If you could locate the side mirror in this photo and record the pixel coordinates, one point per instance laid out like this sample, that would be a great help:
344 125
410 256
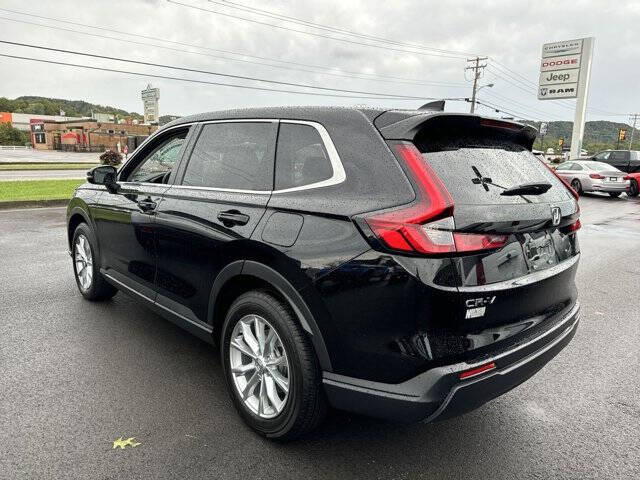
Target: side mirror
104 175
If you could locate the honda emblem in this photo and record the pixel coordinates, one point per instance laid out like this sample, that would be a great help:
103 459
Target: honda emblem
556 215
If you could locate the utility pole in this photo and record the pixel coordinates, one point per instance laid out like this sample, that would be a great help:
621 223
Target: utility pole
634 117
477 69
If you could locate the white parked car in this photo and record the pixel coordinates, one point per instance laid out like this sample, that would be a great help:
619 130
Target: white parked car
590 176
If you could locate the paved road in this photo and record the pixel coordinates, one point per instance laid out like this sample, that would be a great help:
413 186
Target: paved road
47 156
12 175
75 376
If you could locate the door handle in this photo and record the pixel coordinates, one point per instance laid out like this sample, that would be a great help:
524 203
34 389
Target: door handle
147 205
233 217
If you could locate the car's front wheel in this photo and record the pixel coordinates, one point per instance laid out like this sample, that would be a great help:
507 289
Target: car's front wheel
270 367
86 266
633 191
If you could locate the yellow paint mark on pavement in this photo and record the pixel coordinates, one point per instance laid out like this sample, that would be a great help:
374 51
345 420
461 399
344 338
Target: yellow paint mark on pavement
131 441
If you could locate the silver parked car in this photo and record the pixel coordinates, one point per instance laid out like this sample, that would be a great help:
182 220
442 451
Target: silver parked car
591 176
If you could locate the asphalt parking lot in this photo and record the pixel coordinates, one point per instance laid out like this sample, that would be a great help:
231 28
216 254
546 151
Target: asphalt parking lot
75 376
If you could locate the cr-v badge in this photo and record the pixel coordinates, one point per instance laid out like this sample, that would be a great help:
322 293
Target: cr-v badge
477 306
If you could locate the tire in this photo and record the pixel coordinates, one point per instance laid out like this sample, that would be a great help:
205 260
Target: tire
576 185
303 406
615 194
97 288
633 191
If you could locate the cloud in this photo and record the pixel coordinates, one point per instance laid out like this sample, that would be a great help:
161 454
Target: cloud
510 32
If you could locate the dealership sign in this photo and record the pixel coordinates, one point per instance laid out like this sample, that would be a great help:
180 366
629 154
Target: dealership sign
565 69
560 68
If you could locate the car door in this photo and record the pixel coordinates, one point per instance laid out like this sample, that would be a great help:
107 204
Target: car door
564 170
634 162
206 218
125 219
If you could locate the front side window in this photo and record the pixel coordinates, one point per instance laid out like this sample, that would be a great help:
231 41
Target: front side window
234 155
564 166
576 166
302 158
160 160
602 156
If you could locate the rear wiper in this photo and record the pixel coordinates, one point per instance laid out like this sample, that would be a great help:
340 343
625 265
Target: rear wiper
527 189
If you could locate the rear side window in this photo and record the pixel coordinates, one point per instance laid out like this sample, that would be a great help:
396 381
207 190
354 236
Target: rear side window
302 158
235 155
477 175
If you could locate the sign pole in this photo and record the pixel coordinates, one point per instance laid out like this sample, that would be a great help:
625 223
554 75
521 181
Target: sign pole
581 100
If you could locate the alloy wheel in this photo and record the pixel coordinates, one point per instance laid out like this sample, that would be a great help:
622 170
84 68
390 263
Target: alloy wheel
576 186
83 261
260 366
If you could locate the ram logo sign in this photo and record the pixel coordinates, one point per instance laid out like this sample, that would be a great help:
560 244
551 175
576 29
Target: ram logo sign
558 91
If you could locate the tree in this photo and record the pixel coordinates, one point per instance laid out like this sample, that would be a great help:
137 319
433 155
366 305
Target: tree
111 157
12 136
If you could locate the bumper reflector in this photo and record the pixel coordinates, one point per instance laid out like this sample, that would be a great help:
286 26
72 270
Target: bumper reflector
478 370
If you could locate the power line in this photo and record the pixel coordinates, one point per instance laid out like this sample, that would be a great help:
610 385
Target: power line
299 21
205 82
325 69
501 109
315 34
502 98
207 72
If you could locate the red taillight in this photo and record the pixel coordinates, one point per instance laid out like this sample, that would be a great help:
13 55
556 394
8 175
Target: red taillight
426 227
627 177
574 227
471 242
597 176
478 370
490 122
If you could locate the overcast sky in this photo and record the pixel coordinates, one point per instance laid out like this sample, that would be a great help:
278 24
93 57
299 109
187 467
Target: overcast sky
509 32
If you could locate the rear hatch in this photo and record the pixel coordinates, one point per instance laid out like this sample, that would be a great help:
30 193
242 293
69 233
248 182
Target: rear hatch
504 219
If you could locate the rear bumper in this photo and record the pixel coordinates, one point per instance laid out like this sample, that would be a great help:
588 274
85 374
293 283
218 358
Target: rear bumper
439 393
621 187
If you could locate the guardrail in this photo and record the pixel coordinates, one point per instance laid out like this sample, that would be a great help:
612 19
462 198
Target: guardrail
15 147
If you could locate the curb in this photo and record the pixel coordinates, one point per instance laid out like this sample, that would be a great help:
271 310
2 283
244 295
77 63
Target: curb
34 203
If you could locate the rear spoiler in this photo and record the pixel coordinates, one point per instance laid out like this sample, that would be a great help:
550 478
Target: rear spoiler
399 125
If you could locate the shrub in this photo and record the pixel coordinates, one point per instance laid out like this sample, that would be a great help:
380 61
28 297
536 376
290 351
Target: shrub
111 157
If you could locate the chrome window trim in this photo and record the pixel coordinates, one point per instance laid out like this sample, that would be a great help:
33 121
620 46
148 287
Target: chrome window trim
217 189
242 120
339 174
150 138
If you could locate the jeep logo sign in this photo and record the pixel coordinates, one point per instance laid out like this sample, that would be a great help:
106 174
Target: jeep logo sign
559 77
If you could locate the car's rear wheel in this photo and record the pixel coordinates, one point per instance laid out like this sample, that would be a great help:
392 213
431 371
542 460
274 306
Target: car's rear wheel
86 266
270 367
634 191
576 185
615 194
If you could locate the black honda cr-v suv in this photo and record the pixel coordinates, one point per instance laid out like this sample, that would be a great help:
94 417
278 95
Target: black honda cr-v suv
402 264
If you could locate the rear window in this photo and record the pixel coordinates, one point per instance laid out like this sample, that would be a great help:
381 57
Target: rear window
235 155
302 158
477 175
599 166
